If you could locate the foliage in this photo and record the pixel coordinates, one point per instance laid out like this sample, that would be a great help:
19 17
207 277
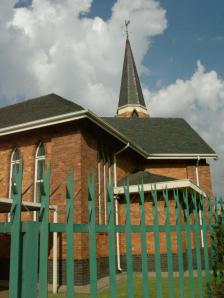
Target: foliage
216 287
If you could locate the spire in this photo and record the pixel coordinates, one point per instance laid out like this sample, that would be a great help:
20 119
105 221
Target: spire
131 100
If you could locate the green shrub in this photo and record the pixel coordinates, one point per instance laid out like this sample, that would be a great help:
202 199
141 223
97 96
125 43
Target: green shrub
216 287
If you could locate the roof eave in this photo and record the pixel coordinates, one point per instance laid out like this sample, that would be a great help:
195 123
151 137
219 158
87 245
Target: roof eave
43 122
183 156
160 186
109 128
103 124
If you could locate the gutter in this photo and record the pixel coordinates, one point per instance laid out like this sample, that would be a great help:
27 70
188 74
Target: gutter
159 186
68 117
109 128
43 122
183 156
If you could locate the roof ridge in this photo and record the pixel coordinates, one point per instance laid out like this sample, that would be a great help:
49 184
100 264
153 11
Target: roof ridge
56 96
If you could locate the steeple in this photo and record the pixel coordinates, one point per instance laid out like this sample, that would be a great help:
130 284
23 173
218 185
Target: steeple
131 100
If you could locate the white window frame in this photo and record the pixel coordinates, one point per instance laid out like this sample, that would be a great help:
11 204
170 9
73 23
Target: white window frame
37 159
12 163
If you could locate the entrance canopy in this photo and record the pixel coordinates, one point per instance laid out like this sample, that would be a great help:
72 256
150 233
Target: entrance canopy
152 181
5 206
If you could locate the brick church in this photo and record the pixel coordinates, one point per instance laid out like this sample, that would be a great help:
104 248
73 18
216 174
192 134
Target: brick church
161 152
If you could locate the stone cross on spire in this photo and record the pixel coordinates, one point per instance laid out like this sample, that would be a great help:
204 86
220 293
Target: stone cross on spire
131 100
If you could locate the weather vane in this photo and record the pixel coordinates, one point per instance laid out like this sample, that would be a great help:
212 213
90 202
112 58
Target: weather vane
127 23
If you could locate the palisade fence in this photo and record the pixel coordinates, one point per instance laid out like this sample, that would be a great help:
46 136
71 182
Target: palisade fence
30 239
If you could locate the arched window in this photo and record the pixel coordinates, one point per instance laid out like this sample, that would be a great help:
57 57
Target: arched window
39 168
14 167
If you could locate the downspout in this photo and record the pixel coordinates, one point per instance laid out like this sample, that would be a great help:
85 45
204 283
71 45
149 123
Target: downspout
198 184
116 208
197 173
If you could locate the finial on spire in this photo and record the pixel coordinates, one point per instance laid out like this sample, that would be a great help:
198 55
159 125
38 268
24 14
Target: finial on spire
127 23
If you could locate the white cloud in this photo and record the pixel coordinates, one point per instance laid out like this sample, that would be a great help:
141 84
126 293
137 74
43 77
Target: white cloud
200 100
51 48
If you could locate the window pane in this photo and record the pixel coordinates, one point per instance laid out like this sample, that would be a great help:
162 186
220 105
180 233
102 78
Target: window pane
40 168
16 155
41 150
39 185
15 169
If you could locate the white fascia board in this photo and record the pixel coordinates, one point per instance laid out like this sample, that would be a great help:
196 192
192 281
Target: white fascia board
103 124
68 117
185 183
25 205
43 122
106 126
183 156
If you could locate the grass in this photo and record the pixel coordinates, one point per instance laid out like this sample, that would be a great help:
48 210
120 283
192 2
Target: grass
122 289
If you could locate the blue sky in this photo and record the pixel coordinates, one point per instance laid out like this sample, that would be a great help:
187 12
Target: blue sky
195 31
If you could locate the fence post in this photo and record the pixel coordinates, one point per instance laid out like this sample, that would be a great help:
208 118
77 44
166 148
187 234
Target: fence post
211 214
111 231
44 234
92 238
143 243
169 245
15 249
69 234
179 243
128 237
198 244
157 245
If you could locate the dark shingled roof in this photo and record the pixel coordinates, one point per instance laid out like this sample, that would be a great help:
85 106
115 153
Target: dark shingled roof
162 135
35 109
130 91
145 177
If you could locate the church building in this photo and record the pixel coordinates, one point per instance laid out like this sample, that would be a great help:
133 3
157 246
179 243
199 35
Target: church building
133 146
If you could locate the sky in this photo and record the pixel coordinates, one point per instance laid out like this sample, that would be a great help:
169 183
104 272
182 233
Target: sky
75 48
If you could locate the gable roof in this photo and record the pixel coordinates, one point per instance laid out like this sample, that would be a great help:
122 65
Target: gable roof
36 109
162 135
143 177
151 138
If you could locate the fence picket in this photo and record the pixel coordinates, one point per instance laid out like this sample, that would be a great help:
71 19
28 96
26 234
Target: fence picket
189 244
44 232
157 245
15 249
111 235
179 243
143 243
168 244
69 234
92 239
128 237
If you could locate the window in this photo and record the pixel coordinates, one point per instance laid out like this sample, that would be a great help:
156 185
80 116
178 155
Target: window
104 176
14 167
39 169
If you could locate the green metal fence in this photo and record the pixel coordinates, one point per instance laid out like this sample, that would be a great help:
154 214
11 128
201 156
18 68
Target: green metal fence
30 239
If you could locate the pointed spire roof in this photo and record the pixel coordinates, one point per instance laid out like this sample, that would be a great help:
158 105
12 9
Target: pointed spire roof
130 92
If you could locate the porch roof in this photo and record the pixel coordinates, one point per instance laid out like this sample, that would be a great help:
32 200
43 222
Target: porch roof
160 186
5 206
144 177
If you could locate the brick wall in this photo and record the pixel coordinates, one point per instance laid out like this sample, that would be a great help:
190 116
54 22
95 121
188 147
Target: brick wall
69 146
